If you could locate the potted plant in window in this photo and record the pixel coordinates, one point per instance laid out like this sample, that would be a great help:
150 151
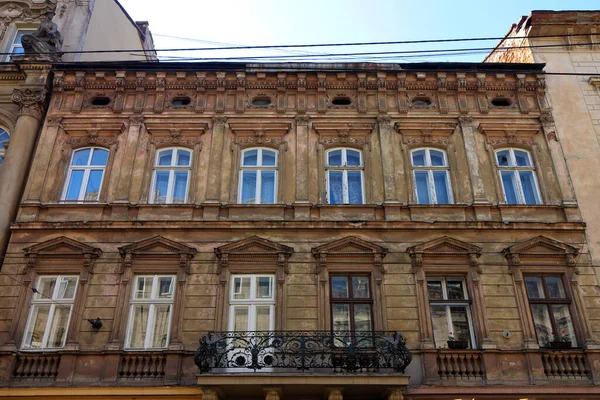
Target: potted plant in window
560 340
453 343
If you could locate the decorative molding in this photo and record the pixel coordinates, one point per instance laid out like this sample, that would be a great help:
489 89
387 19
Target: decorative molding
537 249
272 133
30 101
349 247
172 132
332 133
417 132
83 133
501 134
444 247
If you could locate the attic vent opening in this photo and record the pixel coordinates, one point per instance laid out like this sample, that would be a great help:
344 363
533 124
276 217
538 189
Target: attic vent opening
100 101
181 101
262 101
421 102
341 101
501 102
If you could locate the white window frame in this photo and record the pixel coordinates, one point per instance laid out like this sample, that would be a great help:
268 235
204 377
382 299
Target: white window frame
87 169
12 45
258 168
344 168
252 302
449 303
429 168
172 169
515 170
2 148
153 301
53 302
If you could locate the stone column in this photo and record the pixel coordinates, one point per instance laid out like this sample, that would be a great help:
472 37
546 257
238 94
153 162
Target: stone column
388 166
479 198
302 205
126 167
213 188
15 166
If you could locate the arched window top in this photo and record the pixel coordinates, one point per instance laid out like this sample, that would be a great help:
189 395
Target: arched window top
344 157
4 137
259 157
428 157
90 156
173 157
512 157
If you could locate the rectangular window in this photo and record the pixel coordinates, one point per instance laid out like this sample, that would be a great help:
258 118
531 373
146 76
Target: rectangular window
352 309
16 47
50 312
151 307
550 309
450 313
252 303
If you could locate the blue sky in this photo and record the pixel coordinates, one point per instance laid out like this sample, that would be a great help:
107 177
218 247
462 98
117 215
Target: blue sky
276 22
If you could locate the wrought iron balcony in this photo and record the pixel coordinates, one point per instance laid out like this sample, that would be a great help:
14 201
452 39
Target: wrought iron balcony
303 351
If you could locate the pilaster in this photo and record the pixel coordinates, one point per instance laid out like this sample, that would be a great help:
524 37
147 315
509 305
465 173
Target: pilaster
213 189
130 151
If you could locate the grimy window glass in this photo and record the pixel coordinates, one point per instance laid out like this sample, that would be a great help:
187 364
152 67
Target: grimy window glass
352 307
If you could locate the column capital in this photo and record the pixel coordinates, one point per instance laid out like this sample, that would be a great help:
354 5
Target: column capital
302 120
219 120
384 120
136 120
465 121
30 101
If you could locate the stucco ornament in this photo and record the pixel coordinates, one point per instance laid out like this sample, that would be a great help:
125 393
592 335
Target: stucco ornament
47 40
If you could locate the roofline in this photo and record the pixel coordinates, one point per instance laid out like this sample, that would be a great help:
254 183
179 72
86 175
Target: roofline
536 68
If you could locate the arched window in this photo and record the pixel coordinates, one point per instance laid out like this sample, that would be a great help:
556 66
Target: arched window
431 176
344 176
258 176
171 176
4 137
86 174
518 177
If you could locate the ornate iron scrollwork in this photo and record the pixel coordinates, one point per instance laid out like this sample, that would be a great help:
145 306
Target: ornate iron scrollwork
354 352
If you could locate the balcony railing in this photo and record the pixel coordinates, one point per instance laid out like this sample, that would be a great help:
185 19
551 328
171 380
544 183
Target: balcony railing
303 351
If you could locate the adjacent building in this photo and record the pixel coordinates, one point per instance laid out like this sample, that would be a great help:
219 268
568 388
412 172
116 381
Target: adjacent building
348 231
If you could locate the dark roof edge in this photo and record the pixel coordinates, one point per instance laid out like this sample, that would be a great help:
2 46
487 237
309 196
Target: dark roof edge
305 67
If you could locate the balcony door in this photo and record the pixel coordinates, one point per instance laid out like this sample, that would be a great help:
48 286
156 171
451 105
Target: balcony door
252 303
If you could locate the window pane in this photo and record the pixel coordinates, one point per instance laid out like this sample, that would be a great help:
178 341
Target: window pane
161 325
422 185
555 288
418 158
180 187
437 158
435 290
92 191
440 182
529 187
362 323
183 158
263 318
543 326
161 185
45 288
510 191
35 333
564 325
143 289
58 327
355 187
250 157
503 158
67 288
341 317
268 158
455 290
165 287
74 185
522 158
81 157
339 287
439 320
264 287
164 157
241 287
334 158
267 195
460 323
139 326
248 187
360 287
240 318
99 157
353 158
535 289
336 190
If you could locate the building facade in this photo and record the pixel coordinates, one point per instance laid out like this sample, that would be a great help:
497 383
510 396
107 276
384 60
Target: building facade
299 231
25 74
567 42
